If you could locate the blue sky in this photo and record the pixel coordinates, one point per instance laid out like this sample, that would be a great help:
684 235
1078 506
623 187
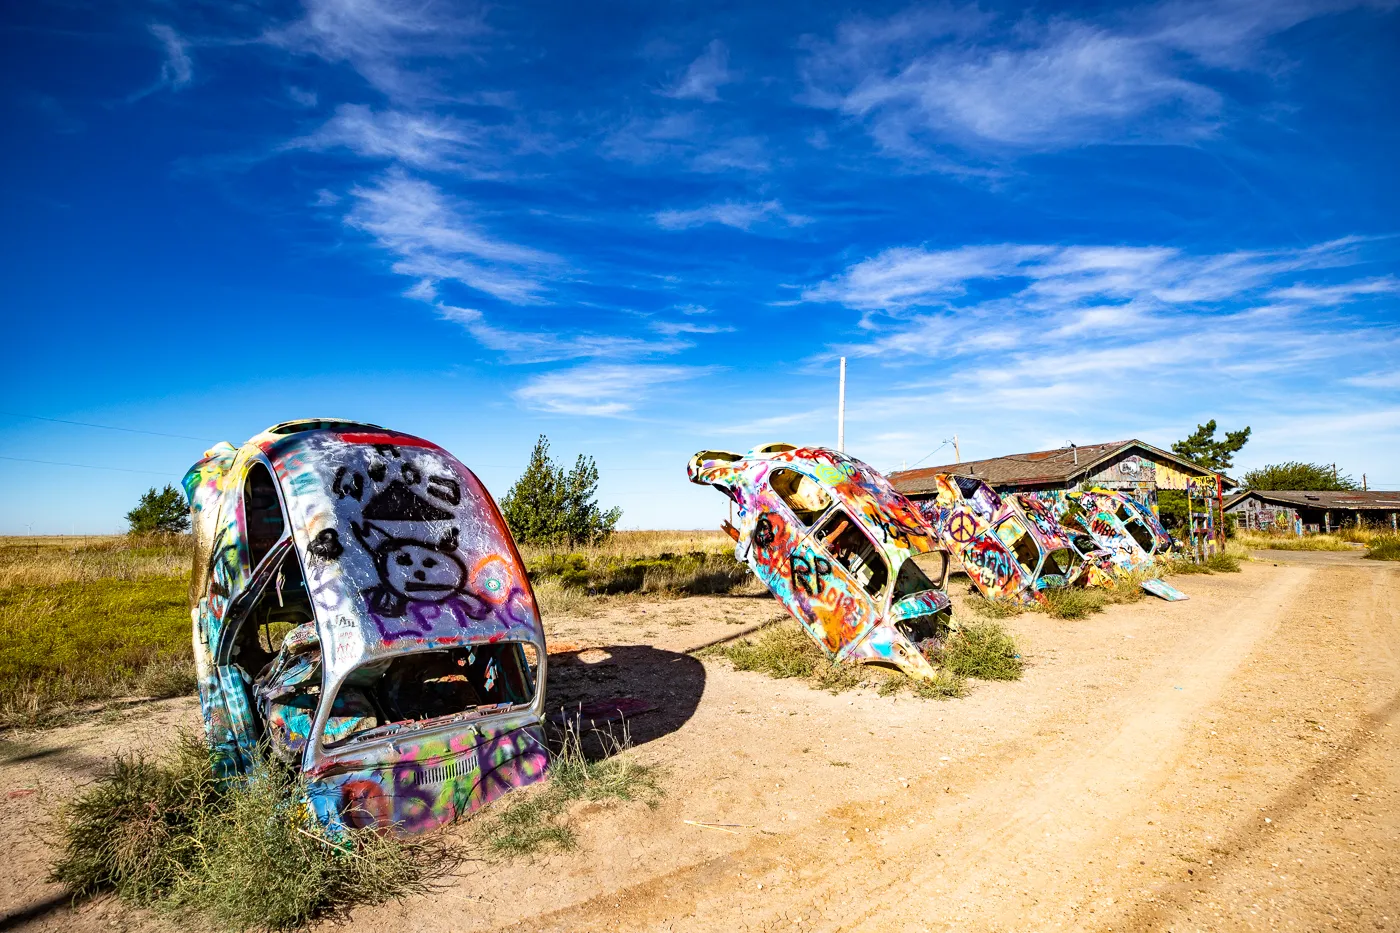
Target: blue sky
646 229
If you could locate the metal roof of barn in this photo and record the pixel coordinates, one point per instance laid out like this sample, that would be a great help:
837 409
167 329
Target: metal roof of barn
1061 466
1324 499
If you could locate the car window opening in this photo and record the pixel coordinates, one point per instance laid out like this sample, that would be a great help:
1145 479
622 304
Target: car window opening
920 573
1058 563
395 693
283 605
927 632
262 511
1141 535
801 493
852 548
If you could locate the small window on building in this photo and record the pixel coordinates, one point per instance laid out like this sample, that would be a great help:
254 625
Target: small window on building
850 547
262 513
801 493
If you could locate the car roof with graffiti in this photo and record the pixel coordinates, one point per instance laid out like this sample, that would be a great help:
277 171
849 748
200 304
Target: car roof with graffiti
401 547
864 491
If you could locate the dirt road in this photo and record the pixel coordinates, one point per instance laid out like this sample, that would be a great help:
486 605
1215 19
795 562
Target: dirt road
1231 762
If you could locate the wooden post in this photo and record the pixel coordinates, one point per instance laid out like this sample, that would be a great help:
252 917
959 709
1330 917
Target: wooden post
1327 521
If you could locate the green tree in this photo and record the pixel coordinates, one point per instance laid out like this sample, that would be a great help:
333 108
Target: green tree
1202 448
163 510
551 507
1295 475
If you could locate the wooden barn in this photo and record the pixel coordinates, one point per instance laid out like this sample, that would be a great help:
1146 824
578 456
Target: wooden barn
1301 511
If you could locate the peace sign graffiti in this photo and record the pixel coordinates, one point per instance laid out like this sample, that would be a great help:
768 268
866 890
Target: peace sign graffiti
961 527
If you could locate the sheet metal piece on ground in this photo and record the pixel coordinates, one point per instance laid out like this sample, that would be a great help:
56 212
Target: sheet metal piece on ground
849 557
598 712
1164 590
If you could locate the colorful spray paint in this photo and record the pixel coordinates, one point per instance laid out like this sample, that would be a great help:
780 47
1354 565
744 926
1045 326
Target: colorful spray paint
849 557
409 687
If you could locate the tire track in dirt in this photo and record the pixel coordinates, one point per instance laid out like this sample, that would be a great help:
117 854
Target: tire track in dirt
1067 797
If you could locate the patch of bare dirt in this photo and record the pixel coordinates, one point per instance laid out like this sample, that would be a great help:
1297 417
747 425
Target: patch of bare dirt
1230 762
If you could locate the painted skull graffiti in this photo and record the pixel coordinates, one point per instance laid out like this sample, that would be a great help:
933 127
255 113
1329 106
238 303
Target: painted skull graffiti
411 688
411 571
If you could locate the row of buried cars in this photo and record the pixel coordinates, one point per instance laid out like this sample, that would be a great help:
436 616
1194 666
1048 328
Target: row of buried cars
864 569
361 614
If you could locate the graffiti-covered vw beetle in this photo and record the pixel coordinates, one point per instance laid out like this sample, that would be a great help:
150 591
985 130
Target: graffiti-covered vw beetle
1007 552
848 556
1119 524
360 607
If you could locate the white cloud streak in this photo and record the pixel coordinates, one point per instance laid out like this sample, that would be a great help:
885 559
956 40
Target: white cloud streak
602 389
380 39
704 77
177 70
741 215
415 221
549 346
416 139
957 74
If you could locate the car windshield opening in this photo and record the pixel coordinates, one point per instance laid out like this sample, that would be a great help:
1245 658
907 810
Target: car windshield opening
921 572
852 548
399 692
1019 541
801 493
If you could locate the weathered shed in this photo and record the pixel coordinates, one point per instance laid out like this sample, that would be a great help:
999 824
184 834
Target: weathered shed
1300 510
1130 466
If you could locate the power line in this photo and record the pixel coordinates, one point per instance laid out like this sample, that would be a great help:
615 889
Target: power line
108 427
87 466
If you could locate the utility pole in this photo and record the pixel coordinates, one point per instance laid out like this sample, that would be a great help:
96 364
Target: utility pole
841 411
1363 483
957 451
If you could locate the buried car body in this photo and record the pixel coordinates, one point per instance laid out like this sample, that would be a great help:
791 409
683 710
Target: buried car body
360 607
1118 524
1009 549
848 556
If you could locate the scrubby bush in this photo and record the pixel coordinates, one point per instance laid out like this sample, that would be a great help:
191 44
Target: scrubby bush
983 650
243 852
1384 547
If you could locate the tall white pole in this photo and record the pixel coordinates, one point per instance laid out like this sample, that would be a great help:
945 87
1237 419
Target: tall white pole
841 411
957 451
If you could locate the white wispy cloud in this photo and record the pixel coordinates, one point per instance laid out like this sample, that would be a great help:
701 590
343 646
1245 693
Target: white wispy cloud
1057 276
956 73
741 215
704 77
602 389
415 221
689 327
520 346
381 39
177 70
687 139
1035 337
417 139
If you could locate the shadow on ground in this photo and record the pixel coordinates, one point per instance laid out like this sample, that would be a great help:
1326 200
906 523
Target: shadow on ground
669 681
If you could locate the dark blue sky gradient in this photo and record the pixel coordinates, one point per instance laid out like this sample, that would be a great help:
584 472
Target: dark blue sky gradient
659 224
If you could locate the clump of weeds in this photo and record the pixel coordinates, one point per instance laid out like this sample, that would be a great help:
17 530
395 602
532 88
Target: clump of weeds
240 853
538 817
